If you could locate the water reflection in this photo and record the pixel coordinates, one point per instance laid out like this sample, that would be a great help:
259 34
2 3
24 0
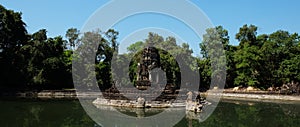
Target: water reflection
138 112
39 113
63 113
251 114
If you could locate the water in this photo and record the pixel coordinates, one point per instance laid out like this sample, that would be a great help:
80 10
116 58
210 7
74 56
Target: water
69 113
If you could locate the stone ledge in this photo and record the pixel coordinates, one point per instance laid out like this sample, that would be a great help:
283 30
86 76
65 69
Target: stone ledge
261 96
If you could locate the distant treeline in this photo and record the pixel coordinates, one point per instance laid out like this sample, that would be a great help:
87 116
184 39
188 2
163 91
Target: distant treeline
35 61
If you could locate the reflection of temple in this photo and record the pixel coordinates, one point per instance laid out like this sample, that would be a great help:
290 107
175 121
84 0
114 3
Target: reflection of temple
146 73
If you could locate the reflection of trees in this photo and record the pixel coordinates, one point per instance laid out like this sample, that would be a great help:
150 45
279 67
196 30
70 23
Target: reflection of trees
43 113
33 116
245 114
22 113
290 110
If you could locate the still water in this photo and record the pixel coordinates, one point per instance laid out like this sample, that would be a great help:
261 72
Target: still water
69 113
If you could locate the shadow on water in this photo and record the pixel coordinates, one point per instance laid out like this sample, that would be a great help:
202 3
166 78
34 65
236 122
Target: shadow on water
139 112
64 113
43 113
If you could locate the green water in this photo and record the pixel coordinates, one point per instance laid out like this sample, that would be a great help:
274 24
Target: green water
69 113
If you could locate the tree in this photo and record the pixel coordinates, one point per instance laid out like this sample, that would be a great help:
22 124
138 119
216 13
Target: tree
34 53
169 53
12 31
13 35
278 53
154 38
214 58
37 61
289 69
133 48
112 37
106 45
43 61
247 34
247 57
72 35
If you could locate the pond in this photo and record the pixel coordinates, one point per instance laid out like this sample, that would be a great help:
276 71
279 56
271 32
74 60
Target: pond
69 113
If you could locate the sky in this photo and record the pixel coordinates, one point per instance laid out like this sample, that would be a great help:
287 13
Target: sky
56 16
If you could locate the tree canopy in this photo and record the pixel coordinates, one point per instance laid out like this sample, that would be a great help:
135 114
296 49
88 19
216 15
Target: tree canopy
36 61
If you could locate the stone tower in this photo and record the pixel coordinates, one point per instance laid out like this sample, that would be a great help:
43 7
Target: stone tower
145 74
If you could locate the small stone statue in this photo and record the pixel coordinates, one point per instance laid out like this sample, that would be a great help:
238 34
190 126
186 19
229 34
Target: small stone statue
190 97
141 102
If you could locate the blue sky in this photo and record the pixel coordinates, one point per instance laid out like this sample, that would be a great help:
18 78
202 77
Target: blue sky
58 15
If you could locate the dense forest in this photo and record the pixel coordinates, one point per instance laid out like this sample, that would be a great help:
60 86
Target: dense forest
35 61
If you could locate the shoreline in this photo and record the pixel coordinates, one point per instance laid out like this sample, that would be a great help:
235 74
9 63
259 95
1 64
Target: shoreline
71 94
245 96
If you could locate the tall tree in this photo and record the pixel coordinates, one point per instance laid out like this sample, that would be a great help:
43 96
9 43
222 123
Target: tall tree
154 38
212 49
72 35
112 37
247 34
12 31
44 63
247 56
13 35
106 45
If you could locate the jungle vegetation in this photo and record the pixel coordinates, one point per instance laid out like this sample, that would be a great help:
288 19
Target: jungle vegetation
35 61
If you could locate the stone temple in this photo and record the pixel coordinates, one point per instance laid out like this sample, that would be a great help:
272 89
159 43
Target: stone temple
146 73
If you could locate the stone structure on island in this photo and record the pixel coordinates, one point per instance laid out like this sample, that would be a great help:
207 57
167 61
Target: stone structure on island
146 73
190 105
195 106
141 103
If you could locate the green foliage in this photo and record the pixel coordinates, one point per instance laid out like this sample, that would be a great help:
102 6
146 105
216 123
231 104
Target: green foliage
104 46
44 61
135 47
12 36
12 31
260 61
37 61
169 51
72 35
205 73
214 58
279 57
247 57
